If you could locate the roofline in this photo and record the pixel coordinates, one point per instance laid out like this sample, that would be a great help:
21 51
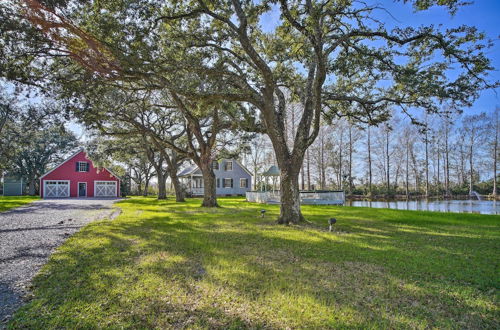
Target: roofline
193 169
244 168
73 156
67 159
231 159
107 169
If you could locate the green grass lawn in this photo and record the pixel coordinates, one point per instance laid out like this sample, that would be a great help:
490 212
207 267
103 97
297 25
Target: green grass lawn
167 265
10 202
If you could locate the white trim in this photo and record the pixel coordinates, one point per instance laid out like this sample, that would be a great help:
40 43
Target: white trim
78 189
55 168
44 187
224 184
244 168
232 165
193 169
71 157
80 167
116 187
246 181
113 174
107 169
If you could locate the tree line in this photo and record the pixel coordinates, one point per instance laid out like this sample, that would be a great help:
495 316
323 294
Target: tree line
33 137
190 78
442 156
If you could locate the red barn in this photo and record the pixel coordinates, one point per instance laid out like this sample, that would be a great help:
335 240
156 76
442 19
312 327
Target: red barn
77 177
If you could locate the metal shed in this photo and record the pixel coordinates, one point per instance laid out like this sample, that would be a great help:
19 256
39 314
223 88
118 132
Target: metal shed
13 185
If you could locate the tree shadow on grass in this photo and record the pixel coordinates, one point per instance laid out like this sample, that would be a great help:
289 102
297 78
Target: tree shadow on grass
173 271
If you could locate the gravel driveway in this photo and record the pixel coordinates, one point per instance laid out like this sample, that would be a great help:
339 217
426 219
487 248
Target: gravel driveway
29 235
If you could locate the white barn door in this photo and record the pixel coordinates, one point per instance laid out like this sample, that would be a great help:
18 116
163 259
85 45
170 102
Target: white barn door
56 189
105 189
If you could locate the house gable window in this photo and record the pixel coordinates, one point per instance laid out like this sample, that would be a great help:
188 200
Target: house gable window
228 166
82 166
215 165
243 183
228 183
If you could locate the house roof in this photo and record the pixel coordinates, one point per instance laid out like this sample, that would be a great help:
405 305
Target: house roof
190 170
244 168
68 159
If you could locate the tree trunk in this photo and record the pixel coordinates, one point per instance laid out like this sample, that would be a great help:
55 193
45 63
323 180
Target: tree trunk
302 177
290 197
341 178
370 176
387 161
179 192
322 165
407 183
471 176
146 186
446 162
438 183
31 188
462 165
162 185
426 163
495 151
308 171
350 159
209 189
495 155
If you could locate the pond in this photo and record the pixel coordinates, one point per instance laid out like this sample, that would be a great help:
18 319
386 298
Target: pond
456 206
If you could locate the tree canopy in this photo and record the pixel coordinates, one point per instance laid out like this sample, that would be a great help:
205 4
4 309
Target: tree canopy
334 58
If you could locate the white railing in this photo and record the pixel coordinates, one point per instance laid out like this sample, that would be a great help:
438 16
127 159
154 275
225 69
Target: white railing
263 196
327 198
196 191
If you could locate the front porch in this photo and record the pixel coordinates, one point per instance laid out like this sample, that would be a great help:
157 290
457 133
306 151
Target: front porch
193 185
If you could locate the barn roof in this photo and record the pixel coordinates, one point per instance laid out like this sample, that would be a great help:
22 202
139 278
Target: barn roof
71 157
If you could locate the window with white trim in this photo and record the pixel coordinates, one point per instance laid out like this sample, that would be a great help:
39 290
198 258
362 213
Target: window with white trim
228 166
228 183
83 166
243 183
215 165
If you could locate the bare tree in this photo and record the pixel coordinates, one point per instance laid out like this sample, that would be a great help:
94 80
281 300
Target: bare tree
474 127
495 120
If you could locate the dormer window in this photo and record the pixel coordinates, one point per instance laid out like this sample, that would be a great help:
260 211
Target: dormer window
82 166
228 166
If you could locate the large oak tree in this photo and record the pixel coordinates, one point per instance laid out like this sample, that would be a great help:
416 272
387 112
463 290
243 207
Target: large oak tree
332 56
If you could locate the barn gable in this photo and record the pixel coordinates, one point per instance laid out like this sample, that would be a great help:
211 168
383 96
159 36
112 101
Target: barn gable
78 177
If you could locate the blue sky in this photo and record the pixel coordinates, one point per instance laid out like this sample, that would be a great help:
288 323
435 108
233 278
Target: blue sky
483 14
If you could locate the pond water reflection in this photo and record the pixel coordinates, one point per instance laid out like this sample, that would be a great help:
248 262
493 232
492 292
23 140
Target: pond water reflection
457 206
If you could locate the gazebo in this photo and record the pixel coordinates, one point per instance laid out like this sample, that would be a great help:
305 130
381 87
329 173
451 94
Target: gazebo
272 172
306 197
